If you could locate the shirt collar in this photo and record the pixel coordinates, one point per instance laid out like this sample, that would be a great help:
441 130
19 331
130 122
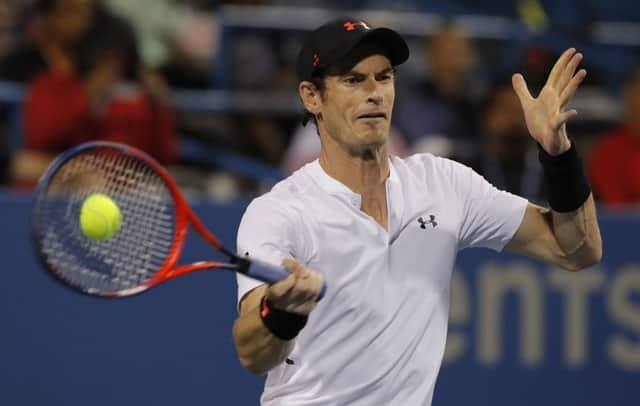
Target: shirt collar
326 182
336 188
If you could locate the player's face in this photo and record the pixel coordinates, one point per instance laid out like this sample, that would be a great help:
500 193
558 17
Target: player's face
356 108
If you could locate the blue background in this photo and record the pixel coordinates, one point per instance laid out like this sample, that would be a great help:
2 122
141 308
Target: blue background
173 344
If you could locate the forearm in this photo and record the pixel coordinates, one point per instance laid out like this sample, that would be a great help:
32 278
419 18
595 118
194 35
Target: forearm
258 349
567 234
578 235
271 316
573 213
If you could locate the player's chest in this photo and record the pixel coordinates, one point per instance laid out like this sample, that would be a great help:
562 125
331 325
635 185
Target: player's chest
421 243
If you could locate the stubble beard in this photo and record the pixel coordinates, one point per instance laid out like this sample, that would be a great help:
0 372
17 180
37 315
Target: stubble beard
366 152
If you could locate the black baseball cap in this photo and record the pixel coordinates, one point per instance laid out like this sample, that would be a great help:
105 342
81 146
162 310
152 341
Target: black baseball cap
331 42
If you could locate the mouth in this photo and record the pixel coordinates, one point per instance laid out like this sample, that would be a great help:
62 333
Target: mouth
373 115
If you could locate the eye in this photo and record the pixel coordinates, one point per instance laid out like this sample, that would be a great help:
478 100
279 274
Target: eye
351 80
385 77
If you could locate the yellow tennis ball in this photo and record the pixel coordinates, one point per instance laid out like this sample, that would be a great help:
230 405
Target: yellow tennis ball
100 217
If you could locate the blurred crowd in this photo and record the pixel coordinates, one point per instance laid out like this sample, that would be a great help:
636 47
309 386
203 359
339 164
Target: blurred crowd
107 69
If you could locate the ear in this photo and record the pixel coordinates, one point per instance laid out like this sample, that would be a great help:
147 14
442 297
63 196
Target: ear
310 96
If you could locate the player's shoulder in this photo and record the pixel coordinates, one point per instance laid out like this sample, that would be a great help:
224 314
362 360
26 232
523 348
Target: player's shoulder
427 165
285 196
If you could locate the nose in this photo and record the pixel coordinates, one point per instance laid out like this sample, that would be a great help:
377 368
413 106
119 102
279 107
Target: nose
373 90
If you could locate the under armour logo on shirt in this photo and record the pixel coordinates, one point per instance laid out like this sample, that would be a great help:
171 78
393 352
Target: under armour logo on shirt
432 221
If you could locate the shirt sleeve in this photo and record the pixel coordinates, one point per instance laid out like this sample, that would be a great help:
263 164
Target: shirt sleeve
491 216
265 233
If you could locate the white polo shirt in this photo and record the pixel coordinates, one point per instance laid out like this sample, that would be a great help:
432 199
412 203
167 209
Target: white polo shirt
378 336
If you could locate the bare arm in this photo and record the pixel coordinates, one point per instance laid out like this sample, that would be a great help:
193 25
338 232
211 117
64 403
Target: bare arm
570 240
258 348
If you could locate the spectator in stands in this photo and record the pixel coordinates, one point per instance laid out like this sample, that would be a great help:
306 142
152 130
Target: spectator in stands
86 83
45 40
176 38
507 156
438 114
9 11
614 167
51 31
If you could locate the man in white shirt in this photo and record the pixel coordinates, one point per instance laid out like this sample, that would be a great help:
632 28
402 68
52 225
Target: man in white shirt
383 232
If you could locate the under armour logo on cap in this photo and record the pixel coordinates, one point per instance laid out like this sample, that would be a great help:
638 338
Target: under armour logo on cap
316 59
350 26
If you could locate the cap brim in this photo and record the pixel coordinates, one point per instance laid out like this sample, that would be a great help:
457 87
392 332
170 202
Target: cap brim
395 46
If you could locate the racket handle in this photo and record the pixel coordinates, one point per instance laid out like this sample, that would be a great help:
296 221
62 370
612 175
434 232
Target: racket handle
272 274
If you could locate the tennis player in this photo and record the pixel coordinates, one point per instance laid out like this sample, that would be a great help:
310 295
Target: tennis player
383 232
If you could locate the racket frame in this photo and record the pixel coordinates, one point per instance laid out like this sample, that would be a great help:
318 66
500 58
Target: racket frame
184 216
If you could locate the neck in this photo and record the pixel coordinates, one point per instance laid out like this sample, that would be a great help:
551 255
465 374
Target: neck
363 171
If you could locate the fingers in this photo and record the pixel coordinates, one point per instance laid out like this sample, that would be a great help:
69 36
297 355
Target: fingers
521 89
563 117
570 89
282 288
569 70
563 79
560 66
298 292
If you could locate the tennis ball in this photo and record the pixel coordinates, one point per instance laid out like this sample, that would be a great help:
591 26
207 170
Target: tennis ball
100 217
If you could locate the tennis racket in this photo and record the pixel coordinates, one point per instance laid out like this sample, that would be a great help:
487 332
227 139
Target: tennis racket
155 218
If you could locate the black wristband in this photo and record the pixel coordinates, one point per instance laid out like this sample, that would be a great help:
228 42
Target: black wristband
280 323
565 180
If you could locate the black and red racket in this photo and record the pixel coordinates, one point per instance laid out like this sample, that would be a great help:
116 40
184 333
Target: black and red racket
155 217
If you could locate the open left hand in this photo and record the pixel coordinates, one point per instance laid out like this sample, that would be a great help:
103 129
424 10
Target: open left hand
545 115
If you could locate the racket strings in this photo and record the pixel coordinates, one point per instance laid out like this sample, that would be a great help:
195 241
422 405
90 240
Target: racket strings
136 251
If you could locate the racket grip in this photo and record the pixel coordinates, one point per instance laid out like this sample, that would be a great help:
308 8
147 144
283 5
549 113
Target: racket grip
272 274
